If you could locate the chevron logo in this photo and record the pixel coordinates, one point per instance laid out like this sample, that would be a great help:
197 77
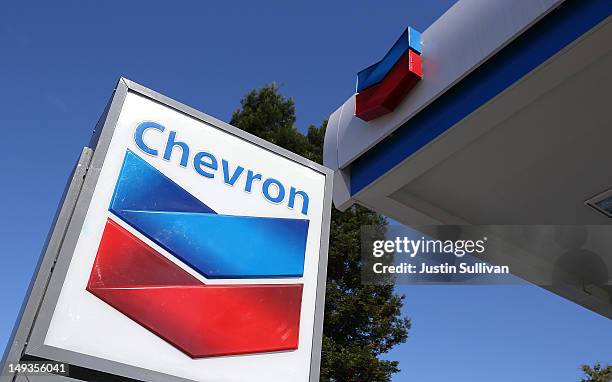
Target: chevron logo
200 318
382 87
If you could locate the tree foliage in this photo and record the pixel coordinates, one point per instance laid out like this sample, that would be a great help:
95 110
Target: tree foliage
597 373
362 322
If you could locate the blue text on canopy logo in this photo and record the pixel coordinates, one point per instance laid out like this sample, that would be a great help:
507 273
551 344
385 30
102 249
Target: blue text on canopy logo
207 165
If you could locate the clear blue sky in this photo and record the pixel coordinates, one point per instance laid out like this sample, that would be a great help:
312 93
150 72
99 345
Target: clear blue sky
60 60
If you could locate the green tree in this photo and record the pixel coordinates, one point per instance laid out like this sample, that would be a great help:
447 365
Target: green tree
597 373
362 322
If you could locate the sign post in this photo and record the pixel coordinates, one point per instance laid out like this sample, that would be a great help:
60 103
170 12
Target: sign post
185 250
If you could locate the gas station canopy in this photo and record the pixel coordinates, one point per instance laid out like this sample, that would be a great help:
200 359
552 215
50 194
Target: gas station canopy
511 124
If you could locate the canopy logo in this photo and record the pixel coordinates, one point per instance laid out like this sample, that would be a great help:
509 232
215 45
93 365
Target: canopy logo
382 86
200 319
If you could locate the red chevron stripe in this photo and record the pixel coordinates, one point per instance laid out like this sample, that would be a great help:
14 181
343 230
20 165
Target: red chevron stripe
385 96
200 320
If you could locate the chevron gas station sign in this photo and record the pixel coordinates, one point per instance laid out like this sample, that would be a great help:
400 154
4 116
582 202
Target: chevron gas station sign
196 252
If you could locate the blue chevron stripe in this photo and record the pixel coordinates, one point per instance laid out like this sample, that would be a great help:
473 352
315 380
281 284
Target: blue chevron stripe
142 187
373 74
216 246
